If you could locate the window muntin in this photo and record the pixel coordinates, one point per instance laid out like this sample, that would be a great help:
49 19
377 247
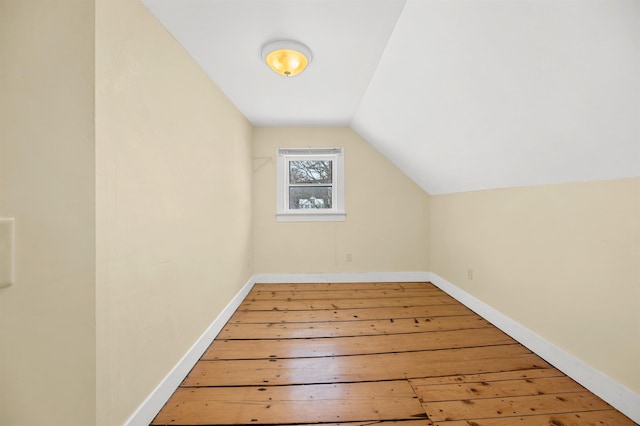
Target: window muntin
310 184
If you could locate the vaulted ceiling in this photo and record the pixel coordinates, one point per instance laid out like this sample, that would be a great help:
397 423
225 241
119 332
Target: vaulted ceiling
462 95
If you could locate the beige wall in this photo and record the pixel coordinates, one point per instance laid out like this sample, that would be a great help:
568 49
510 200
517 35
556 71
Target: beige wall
173 204
47 319
563 260
134 232
387 214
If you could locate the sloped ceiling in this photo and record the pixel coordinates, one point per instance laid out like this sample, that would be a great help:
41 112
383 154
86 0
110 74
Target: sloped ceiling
461 95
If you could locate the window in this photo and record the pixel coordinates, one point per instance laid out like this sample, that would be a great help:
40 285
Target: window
310 184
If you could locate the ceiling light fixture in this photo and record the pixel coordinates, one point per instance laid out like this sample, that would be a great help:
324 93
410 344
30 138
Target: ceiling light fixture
286 57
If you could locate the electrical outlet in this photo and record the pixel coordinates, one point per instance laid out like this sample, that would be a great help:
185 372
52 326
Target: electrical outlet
349 257
470 273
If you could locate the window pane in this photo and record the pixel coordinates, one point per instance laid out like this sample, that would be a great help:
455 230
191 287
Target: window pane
310 171
310 197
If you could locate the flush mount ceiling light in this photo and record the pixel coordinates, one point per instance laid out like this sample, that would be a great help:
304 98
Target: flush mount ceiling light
286 57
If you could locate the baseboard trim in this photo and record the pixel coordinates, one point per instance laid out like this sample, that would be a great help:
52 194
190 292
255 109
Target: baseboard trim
343 277
600 384
161 394
619 396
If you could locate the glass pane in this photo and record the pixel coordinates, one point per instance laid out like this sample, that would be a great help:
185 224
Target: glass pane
309 197
310 171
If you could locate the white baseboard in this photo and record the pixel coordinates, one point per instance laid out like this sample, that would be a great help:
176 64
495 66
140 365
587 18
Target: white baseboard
606 388
161 394
620 397
343 277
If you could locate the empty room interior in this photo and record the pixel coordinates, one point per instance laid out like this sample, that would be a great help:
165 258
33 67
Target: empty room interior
160 184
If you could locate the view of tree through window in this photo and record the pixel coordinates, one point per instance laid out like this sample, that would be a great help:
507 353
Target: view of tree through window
310 184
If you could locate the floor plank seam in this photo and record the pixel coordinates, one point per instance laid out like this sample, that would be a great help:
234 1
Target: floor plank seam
585 392
470 314
267 385
273 359
346 336
243 309
515 416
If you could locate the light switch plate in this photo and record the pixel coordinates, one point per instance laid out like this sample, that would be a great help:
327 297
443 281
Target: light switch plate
7 258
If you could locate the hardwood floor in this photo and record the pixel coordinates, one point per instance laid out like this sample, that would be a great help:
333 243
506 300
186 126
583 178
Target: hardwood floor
388 354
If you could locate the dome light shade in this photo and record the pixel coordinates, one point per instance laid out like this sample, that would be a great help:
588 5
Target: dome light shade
285 57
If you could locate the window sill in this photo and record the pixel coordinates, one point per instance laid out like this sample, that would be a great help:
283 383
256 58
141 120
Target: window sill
311 217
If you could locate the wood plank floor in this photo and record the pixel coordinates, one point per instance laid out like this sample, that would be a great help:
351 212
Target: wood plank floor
388 354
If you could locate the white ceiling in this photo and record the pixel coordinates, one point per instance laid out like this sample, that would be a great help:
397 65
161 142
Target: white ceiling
462 95
347 39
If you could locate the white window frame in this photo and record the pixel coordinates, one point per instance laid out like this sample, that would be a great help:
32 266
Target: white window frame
337 212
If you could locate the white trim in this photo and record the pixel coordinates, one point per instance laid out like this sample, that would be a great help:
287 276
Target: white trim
283 213
146 412
343 277
310 151
315 217
619 396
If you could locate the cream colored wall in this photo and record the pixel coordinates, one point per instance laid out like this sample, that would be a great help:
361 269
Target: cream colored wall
173 204
562 260
47 319
110 295
387 214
